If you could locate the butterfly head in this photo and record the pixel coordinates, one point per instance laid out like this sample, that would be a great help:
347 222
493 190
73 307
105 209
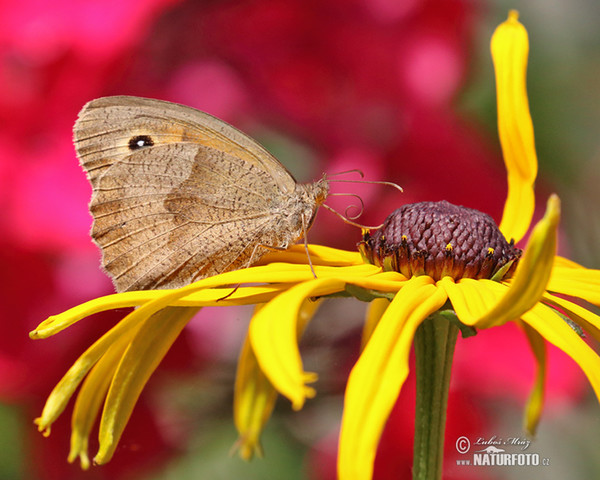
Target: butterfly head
320 190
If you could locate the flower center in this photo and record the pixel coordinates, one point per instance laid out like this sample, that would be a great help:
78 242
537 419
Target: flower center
440 239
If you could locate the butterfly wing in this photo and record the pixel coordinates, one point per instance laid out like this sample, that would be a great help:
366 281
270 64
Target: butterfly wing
177 194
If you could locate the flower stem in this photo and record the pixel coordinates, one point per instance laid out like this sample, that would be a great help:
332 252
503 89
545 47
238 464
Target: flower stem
434 349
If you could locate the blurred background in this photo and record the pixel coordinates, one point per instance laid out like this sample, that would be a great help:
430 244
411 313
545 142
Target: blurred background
403 91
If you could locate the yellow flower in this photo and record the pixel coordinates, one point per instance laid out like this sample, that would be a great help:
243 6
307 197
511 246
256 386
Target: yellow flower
405 282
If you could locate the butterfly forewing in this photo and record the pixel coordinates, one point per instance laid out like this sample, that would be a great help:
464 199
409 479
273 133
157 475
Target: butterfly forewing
178 194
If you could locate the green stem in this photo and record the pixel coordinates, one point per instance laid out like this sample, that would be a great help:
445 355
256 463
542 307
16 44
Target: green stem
434 349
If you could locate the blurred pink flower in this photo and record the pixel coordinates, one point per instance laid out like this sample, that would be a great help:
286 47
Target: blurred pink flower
39 32
208 85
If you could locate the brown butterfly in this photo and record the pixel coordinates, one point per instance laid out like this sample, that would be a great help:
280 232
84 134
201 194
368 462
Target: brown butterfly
179 195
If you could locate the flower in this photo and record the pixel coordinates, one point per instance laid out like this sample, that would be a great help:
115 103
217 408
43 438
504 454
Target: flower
491 284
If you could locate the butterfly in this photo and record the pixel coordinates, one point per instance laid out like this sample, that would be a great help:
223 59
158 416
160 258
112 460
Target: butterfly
179 195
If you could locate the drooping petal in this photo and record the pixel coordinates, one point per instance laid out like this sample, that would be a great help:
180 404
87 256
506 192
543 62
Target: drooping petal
91 398
377 377
535 403
141 358
533 271
254 396
273 330
253 402
374 313
510 47
273 335
62 392
549 324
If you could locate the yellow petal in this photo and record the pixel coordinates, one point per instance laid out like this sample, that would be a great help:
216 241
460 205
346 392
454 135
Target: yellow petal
374 313
576 282
57 323
273 335
319 255
470 298
535 403
143 355
254 396
91 398
562 262
556 331
510 47
254 399
383 282
377 377
533 271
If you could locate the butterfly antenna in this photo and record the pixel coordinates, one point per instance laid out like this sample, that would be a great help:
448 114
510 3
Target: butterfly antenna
375 182
345 172
348 220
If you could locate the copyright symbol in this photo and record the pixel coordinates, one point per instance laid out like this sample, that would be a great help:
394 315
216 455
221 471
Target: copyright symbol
462 445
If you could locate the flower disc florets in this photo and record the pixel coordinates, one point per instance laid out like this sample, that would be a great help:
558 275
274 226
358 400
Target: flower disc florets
440 239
